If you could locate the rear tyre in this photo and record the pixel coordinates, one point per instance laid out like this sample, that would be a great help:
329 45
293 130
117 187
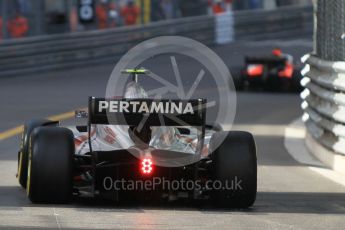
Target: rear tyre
239 79
235 166
296 81
24 148
50 168
286 85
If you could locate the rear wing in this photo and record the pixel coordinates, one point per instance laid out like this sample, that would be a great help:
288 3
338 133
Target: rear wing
133 112
148 112
266 60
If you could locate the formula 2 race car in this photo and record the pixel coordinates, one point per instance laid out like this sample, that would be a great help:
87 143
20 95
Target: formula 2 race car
275 72
117 156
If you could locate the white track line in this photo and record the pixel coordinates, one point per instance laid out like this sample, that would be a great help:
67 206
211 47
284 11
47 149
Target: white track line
56 215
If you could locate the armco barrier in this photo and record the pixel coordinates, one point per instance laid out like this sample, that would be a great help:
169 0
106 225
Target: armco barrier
70 50
285 22
324 102
30 55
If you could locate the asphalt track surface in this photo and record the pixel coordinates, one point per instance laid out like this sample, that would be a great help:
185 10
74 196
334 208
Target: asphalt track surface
290 196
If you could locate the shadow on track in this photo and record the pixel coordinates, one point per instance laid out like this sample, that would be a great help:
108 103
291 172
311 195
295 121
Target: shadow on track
14 198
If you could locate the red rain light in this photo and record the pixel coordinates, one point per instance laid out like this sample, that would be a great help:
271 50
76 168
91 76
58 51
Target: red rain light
146 166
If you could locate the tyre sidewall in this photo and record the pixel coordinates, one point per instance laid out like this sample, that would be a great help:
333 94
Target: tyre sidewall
234 162
50 165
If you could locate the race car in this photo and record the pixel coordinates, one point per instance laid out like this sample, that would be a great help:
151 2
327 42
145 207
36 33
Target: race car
275 72
174 144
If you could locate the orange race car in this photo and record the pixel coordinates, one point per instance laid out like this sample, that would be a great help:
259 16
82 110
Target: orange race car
275 72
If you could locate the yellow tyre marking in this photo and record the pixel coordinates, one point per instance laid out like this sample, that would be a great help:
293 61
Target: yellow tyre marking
28 180
20 165
20 156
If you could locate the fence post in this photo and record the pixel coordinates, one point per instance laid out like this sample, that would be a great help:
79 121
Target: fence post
39 17
224 27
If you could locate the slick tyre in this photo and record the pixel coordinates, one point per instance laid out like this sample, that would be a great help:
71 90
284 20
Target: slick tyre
239 79
24 148
50 166
234 165
296 82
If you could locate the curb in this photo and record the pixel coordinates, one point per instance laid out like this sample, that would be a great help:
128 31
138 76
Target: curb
294 143
332 160
305 150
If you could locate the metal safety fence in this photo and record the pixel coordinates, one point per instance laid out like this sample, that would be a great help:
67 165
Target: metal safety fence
282 23
50 52
330 29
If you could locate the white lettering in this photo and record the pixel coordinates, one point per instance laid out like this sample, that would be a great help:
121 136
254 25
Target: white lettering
113 107
143 108
135 104
103 105
124 106
157 107
167 107
175 108
189 109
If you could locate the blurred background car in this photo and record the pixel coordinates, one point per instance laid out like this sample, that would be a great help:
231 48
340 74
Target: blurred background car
274 72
